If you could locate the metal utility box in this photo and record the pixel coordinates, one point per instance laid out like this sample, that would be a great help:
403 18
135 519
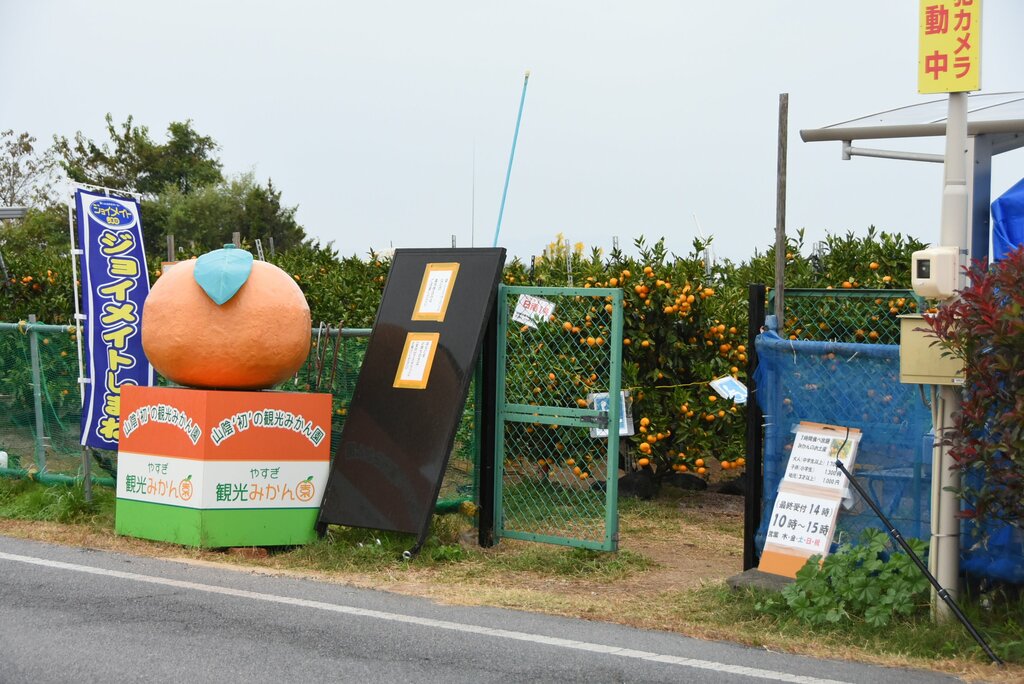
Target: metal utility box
921 359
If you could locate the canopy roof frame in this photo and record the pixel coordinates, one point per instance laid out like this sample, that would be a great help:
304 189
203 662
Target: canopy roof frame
995 125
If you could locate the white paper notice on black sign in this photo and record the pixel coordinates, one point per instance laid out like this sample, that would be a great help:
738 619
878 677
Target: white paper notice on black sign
532 310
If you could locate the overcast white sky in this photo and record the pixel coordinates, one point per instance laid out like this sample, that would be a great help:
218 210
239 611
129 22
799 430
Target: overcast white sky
639 115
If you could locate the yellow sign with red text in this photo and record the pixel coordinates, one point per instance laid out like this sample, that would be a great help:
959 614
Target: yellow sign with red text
949 46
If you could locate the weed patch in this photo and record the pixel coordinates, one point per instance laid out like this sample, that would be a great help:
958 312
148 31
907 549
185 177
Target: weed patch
23 499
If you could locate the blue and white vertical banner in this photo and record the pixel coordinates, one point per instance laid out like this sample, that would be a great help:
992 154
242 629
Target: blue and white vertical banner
115 283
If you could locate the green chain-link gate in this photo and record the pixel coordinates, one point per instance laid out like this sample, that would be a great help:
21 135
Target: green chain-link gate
556 474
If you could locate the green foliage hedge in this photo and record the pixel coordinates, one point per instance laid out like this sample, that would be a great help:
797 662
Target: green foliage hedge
685 318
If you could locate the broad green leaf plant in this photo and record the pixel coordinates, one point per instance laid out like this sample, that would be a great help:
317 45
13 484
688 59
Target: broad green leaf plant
866 582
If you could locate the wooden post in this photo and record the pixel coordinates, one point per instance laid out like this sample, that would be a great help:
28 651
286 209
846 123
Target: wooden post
780 211
236 238
170 248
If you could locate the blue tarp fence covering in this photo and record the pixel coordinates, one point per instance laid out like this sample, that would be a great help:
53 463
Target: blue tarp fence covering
858 385
1008 221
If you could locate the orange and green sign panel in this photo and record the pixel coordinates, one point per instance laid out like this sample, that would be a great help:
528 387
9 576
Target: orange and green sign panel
949 49
221 468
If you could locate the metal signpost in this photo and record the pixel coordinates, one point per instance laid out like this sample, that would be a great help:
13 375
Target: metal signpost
949 61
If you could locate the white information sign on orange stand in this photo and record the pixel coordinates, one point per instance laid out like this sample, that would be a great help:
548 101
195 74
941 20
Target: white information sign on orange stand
813 459
803 522
807 504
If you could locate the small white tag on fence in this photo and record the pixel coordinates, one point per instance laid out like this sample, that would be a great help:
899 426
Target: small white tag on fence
599 402
729 387
532 310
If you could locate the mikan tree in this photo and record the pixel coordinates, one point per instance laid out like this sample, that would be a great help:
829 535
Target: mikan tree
683 327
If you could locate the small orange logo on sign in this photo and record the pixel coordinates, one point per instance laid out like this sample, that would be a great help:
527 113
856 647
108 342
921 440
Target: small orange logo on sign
185 488
305 490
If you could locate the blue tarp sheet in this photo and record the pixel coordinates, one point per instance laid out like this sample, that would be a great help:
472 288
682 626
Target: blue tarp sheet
857 385
1008 221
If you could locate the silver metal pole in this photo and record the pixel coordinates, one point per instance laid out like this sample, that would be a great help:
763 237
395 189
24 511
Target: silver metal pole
954 192
568 263
933 510
849 151
945 532
780 211
79 316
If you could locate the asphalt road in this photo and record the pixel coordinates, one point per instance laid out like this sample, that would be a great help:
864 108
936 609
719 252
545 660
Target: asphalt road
77 615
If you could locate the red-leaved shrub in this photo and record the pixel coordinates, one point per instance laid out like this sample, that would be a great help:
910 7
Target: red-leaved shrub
985 327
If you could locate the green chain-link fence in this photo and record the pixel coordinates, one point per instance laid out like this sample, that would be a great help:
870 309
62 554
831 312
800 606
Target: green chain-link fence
40 403
854 315
40 431
558 478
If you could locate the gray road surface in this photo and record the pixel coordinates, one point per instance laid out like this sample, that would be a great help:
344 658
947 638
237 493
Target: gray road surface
77 615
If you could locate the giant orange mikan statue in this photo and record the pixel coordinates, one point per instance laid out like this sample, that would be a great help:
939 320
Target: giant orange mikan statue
226 321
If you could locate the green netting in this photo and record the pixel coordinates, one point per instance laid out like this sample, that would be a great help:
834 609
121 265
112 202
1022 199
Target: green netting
332 367
555 471
854 315
54 442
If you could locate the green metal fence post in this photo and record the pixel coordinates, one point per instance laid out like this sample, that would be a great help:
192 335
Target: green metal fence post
37 394
614 392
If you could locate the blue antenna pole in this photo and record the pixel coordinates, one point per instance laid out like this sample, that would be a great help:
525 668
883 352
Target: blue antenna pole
511 156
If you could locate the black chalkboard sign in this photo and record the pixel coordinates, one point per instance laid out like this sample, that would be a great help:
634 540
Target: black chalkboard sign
412 389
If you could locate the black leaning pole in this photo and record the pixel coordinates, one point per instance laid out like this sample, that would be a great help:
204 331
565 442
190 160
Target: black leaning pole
755 437
943 594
